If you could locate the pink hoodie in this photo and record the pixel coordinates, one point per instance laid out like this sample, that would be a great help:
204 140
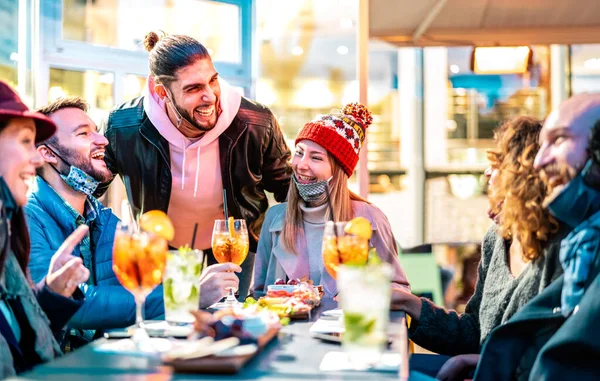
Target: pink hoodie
197 187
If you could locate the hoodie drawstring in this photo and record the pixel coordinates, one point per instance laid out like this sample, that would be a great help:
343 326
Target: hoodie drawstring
183 164
197 170
183 167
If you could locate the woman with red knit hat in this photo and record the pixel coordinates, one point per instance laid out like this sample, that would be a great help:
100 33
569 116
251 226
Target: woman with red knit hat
292 234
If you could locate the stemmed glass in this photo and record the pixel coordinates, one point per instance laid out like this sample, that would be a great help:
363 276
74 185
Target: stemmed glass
139 259
230 244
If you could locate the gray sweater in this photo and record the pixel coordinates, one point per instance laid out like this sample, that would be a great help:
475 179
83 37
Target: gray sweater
498 295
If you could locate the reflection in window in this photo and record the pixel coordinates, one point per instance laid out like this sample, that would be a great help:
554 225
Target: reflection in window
585 68
94 87
110 23
477 104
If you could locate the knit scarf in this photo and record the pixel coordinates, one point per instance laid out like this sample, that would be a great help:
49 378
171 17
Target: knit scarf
14 284
578 205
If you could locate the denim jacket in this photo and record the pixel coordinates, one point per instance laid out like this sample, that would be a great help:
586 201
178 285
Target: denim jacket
108 304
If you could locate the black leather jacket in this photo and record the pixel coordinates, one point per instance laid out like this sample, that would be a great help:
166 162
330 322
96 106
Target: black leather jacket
253 153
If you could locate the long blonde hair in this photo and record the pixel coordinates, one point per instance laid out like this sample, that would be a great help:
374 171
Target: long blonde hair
341 201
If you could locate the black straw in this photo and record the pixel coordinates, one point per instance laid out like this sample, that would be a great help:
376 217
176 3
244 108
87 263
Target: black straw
194 235
225 204
127 183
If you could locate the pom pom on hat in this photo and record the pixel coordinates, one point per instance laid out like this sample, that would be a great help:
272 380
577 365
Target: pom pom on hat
342 135
360 114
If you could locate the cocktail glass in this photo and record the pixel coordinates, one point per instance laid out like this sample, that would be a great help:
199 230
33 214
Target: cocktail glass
138 262
230 243
181 284
364 296
340 248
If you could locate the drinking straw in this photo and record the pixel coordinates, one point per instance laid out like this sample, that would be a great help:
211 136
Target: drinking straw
225 206
127 183
331 216
194 235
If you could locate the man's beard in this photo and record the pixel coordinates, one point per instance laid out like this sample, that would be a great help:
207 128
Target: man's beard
187 117
556 177
75 159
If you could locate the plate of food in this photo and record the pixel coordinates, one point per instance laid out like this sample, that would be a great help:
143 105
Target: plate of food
293 300
223 342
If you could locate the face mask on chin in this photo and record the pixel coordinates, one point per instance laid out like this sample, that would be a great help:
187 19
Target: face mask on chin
578 199
77 179
313 191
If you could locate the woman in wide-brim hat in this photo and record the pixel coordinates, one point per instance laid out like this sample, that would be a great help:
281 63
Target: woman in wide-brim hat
30 314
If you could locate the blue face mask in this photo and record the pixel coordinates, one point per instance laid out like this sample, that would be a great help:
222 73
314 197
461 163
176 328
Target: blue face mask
313 191
77 179
578 200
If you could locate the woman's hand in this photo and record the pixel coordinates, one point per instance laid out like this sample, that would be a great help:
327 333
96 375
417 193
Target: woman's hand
454 368
66 271
403 299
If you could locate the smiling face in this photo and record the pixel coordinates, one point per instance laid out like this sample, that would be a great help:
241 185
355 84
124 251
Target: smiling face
311 162
564 141
19 157
195 95
78 142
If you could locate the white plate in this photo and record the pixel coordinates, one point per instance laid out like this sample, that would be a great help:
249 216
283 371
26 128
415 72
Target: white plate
280 287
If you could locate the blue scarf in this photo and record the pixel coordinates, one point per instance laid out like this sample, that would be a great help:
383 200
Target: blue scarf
577 205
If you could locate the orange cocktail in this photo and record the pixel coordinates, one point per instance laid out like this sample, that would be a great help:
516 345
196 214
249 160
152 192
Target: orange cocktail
230 243
340 247
139 261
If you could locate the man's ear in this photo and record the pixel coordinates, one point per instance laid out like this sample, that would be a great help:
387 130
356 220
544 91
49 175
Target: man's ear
47 155
160 90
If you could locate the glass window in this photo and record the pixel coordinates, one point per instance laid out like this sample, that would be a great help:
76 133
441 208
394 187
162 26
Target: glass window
477 104
109 23
306 59
456 209
133 85
9 20
94 87
585 68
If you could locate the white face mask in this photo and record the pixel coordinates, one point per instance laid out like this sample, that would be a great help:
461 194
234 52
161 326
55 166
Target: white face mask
313 191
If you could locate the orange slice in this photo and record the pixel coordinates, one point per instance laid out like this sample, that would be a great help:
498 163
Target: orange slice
230 224
360 227
157 222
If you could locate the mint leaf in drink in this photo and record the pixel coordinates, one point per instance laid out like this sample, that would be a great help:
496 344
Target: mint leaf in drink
373 257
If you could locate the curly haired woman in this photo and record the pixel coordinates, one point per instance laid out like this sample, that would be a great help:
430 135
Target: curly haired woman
519 257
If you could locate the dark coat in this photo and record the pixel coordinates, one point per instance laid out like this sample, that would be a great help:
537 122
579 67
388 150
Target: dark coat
539 343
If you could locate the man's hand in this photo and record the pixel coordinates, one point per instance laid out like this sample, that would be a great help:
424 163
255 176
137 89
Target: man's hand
66 272
215 282
455 368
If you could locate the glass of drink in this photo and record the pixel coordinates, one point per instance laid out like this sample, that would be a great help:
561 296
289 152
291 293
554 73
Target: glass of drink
340 248
230 244
181 284
364 296
138 262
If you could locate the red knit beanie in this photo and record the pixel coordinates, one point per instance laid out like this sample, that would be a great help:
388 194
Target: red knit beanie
342 135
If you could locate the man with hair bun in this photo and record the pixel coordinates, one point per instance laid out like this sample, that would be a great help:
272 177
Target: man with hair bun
189 137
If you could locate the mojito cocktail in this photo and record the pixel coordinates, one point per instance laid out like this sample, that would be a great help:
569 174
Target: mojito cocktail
181 284
364 296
